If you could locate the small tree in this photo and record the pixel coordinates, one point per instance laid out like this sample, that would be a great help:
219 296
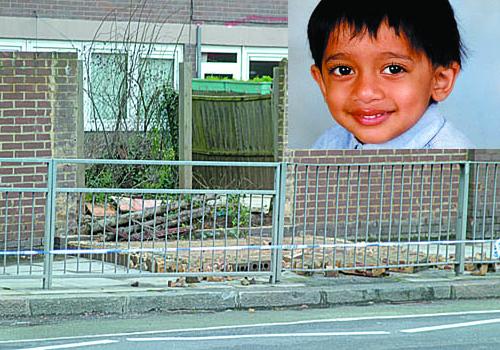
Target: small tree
131 101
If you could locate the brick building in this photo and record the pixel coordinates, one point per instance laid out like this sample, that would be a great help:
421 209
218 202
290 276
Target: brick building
239 39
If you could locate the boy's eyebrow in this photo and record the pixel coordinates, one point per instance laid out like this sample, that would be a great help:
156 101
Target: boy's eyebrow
387 54
391 54
337 56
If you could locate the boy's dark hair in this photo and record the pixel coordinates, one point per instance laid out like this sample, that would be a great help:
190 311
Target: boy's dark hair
429 25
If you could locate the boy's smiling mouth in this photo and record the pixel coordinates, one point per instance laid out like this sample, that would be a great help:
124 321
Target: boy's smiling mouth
371 117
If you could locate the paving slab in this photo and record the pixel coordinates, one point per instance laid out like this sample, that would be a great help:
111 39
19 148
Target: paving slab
122 294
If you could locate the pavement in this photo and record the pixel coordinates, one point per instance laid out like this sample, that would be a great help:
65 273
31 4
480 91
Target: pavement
73 295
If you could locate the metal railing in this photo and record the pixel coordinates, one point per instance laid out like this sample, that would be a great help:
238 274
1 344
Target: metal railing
173 232
317 218
393 216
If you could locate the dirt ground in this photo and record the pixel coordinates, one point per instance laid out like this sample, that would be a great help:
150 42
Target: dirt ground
204 258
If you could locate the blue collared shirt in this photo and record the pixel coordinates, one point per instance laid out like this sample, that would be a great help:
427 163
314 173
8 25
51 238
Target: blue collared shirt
431 131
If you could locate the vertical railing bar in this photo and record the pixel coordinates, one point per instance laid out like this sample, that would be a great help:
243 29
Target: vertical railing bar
67 233
6 231
389 234
315 217
382 186
129 231
202 235
178 233
155 210
280 197
336 218
294 214
276 254
356 233
306 193
400 224
420 210
214 232
346 223
19 221
238 223
167 225
461 228
190 234
50 216
368 201
79 231
103 257
261 230
484 208
32 233
429 233
249 236
410 213
92 231
141 255
225 234
474 217
116 231
441 176
327 199
494 206
450 196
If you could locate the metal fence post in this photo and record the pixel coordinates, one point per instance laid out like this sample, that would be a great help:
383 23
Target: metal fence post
50 221
278 221
461 227
185 124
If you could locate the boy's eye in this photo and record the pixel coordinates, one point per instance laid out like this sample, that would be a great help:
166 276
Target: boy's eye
342 70
393 69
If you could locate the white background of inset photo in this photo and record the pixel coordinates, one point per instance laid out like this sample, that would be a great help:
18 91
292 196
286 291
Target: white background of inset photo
473 107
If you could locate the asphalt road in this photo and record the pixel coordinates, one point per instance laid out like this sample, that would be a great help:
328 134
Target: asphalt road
447 325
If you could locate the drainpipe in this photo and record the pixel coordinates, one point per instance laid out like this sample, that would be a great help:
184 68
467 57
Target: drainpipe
198 50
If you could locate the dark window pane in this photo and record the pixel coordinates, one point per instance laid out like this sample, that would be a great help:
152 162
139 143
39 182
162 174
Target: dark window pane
224 57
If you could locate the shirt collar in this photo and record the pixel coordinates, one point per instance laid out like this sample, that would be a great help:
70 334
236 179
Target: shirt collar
418 136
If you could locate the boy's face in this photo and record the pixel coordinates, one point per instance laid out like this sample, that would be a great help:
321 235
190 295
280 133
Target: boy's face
379 88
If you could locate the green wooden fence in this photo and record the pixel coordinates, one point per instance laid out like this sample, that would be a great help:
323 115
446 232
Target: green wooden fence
233 128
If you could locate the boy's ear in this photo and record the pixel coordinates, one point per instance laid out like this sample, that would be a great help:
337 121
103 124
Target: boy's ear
444 80
316 74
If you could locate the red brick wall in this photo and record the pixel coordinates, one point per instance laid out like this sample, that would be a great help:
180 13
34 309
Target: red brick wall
170 11
38 118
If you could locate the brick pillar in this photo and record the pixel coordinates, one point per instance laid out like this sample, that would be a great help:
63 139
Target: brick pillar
38 111
280 110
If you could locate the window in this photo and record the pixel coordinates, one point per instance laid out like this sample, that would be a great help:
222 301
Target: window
260 61
221 62
106 89
262 68
240 62
123 85
157 73
121 82
11 45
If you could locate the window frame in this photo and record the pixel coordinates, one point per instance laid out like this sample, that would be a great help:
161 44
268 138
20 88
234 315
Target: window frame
233 68
252 53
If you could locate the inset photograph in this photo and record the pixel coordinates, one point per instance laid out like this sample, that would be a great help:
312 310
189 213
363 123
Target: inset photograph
391 75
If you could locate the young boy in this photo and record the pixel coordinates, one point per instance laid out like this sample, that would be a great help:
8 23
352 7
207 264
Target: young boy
382 66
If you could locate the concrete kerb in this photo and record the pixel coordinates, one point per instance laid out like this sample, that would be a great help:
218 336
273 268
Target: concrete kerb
198 299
